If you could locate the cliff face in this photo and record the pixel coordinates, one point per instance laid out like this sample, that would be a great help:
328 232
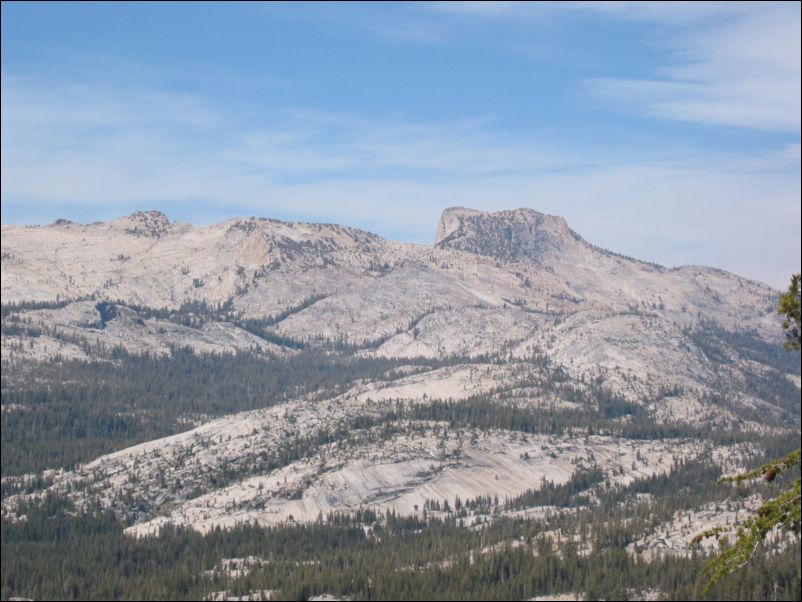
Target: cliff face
510 236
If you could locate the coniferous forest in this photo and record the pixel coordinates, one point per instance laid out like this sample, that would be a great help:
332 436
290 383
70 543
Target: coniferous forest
457 549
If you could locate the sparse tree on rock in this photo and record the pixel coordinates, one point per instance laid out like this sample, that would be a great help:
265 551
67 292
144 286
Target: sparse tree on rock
790 308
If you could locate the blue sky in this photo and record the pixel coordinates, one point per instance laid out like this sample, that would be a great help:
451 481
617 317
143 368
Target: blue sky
665 131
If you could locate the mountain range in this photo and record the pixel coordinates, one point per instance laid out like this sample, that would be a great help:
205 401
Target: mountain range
510 353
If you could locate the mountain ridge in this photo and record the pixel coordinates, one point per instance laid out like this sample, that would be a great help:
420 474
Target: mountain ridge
369 288
506 280
450 224
459 229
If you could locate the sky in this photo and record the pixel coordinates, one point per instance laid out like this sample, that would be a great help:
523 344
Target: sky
664 131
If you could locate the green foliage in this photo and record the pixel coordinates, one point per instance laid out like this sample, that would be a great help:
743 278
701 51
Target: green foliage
790 308
59 553
782 511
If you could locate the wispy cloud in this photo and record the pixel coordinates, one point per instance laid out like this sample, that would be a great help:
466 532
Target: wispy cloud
404 31
667 12
734 64
743 73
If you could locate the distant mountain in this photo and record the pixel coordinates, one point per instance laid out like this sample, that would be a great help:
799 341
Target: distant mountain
262 266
